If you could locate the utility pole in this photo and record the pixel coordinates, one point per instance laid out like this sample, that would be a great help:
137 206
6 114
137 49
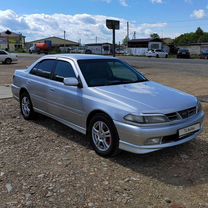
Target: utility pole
127 31
134 35
96 39
64 41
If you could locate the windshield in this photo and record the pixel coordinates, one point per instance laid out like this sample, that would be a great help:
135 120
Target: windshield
102 72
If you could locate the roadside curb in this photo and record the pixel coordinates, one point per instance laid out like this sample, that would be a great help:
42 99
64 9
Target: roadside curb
5 92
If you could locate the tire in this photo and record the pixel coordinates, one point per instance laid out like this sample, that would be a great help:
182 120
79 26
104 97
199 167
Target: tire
8 61
103 135
26 106
88 52
157 56
166 56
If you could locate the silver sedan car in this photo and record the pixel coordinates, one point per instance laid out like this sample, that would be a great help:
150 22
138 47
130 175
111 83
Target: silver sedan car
109 101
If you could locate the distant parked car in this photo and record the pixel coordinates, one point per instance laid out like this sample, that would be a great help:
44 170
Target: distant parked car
78 50
109 101
183 53
120 51
88 51
204 55
157 53
7 58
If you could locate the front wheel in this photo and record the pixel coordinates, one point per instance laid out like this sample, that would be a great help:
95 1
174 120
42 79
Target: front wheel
103 135
26 106
8 61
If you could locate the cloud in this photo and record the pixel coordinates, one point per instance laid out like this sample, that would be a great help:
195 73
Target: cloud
188 1
156 25
107 1
11 19
80 26
157 1
124 2
199 14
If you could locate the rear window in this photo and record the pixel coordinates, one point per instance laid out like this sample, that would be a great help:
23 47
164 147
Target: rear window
183 50
43 68
3 53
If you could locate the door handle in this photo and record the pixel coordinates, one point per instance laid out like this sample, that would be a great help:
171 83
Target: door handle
52 90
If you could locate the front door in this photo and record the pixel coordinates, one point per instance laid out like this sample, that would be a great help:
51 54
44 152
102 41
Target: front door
65 102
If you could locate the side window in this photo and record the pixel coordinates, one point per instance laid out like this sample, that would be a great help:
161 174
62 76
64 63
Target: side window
63 69
3 53
43 68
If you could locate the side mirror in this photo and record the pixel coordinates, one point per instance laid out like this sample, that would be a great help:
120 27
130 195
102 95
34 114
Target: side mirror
71 81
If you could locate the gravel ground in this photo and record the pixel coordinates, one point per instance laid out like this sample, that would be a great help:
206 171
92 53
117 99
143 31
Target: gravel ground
45 164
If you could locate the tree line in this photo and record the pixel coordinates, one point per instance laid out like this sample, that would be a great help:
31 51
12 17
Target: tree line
199 36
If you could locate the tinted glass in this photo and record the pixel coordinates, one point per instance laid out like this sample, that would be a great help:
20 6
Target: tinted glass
183 50
63 69
2 53
119 71
102 72
43 68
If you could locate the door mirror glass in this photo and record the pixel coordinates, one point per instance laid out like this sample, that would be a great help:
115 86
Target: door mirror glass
71 81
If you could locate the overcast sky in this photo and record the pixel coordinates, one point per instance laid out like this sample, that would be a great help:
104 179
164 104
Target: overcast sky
85 19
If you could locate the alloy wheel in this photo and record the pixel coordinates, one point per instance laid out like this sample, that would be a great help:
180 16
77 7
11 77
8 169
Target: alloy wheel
26 106
101 136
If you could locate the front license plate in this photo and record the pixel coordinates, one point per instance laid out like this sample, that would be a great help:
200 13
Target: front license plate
189 129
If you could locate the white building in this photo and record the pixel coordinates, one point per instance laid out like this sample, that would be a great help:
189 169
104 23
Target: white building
99 48
141 46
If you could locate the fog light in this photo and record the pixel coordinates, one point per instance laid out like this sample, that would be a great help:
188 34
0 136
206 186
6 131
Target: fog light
152 141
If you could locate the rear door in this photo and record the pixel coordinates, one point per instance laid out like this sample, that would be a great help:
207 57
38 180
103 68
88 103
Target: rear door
65 102
38 83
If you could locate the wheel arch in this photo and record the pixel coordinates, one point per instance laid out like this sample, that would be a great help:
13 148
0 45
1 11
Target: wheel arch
93 113
22 90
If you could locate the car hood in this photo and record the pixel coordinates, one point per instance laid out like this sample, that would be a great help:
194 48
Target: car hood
148 97
13 54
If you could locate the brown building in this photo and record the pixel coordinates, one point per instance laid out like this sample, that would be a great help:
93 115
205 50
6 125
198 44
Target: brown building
12 41
56 42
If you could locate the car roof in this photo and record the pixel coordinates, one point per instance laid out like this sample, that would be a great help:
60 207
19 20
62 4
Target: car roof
77 57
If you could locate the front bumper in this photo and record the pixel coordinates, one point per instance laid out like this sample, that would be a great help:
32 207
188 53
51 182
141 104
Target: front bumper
133 138
15 91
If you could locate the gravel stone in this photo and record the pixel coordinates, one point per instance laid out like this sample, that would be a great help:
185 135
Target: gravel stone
9 187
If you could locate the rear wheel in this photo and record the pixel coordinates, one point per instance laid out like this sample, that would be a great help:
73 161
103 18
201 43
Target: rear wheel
166 56
26 106
157 56
8 61
103 135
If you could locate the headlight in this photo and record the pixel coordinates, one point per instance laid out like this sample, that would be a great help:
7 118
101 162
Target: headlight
199 107
149 119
